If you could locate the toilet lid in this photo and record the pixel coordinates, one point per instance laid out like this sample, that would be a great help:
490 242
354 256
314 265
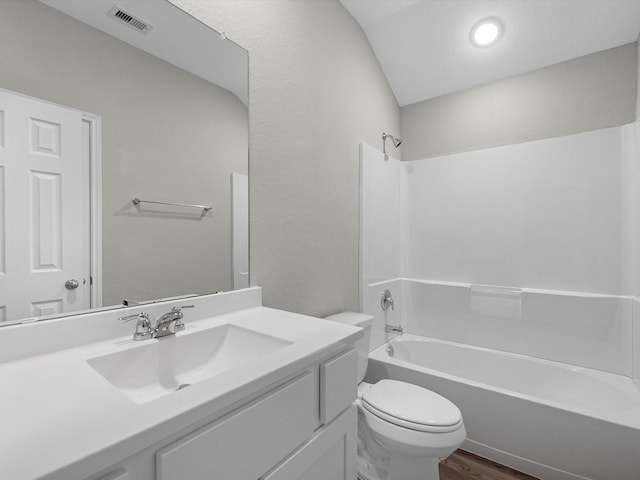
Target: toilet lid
411 406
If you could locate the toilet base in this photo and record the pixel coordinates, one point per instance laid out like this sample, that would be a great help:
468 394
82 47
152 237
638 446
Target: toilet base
410 468
400 468
375 462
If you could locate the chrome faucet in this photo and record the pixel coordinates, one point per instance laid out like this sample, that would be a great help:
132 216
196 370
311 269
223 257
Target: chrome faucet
393 329
168 324
386 301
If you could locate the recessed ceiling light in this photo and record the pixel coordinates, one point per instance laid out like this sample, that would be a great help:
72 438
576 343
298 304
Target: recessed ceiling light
487 32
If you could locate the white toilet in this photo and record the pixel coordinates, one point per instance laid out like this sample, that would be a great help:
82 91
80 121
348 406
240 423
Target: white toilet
403 430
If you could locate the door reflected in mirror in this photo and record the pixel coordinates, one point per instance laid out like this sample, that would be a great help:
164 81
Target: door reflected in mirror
93 117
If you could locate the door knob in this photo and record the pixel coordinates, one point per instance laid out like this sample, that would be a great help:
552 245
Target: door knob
71 284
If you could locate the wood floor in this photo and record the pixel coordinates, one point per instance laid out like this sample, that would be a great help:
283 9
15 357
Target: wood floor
463 465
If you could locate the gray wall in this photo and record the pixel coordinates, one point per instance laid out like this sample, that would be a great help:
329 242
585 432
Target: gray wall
587 93
167 135
316 91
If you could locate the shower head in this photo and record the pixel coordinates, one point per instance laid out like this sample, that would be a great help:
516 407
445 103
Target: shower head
396 143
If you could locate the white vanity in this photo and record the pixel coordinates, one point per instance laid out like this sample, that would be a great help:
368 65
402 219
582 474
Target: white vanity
244 392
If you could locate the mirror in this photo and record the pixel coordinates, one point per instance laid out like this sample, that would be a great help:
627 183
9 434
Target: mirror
102 105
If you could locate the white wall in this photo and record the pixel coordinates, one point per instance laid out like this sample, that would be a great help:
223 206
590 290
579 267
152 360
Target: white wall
542 214
382 217
382 237
545 214
521 248
316 91
591 331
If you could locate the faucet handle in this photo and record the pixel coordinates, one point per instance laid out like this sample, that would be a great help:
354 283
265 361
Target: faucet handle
143 327
180 326
128 318
386 300
178 308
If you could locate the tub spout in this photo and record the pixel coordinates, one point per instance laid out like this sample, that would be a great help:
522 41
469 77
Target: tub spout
393 329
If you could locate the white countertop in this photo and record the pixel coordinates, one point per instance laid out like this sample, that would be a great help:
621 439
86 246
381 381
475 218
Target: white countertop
61 420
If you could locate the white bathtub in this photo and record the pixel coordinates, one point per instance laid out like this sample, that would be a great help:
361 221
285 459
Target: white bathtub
551 420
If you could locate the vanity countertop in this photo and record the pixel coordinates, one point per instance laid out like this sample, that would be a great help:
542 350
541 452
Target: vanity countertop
62 420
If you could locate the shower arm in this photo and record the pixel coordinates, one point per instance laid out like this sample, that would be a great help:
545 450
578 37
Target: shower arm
396 143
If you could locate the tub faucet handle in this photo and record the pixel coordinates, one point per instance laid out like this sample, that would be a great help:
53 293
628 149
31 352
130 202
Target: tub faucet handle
386 300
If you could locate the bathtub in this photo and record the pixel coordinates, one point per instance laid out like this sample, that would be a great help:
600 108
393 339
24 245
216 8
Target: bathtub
551 420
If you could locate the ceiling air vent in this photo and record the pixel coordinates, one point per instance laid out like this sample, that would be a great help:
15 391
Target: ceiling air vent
132 21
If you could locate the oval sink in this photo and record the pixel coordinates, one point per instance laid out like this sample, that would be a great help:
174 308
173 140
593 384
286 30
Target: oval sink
158 367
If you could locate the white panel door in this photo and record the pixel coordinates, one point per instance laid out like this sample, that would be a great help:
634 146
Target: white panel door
44 209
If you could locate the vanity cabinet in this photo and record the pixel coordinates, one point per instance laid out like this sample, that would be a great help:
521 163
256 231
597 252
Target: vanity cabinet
329 454
304 428
244 444
338 384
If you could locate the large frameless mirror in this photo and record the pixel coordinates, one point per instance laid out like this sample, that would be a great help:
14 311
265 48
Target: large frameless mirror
123 156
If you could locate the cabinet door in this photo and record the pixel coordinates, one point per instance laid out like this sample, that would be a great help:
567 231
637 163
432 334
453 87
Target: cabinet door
246 443
330 455
338 384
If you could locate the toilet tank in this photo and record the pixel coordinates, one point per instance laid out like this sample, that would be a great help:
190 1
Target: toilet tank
363 321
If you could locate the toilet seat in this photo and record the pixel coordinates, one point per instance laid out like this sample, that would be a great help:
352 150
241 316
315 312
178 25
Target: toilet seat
407 441
413 407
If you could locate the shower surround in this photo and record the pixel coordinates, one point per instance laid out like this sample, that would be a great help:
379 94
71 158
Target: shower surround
528 249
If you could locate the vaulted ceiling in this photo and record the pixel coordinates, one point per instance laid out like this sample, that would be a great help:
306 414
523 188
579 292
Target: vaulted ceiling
425 49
